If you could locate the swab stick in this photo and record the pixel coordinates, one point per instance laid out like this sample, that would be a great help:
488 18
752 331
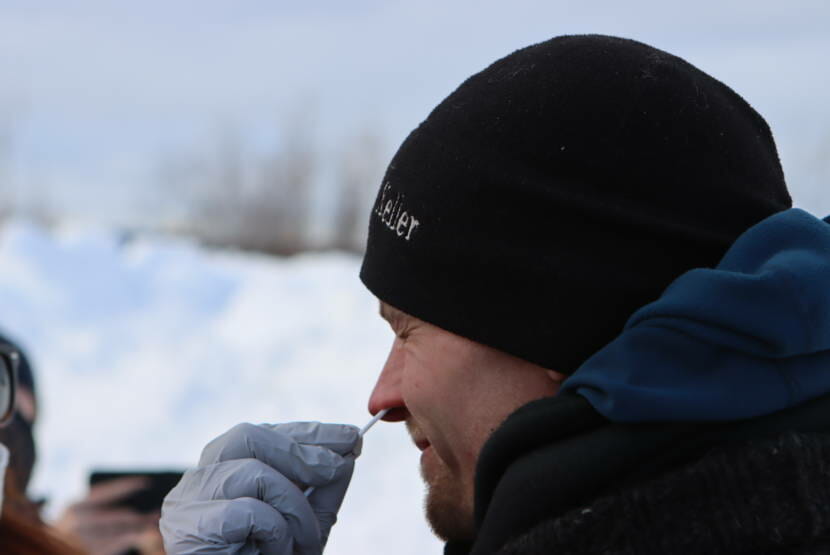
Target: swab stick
373 421
361 433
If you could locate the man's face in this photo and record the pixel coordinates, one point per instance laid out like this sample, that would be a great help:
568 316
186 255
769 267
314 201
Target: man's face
452 393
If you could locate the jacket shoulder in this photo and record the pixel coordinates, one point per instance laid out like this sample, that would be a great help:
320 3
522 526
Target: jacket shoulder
770 496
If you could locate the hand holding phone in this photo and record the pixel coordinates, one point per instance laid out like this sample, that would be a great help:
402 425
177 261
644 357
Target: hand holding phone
120 514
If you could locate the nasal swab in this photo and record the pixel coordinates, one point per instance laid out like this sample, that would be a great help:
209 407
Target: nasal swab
361 433
373 421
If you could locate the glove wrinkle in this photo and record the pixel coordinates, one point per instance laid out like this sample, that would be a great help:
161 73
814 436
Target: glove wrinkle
306 464
246 495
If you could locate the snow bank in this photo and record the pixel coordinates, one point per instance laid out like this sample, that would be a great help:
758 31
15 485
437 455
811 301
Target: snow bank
146 349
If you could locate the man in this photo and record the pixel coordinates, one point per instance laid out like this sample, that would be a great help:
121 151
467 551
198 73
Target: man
96 524
612 332
17 435
8 392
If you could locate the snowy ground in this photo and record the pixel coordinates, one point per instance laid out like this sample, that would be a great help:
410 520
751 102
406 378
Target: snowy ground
145 350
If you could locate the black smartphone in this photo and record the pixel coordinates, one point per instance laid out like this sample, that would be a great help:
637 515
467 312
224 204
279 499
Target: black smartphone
147 499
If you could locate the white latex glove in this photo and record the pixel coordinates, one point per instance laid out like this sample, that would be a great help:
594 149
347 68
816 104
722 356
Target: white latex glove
246 496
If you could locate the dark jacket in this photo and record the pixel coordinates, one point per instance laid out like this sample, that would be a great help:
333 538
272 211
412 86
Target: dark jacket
703 428
769 496
590 486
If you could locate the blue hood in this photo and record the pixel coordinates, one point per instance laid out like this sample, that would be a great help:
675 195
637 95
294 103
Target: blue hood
747 338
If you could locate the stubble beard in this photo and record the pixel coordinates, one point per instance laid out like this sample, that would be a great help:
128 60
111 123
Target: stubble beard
447 505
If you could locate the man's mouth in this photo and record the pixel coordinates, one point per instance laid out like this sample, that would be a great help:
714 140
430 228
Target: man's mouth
421 444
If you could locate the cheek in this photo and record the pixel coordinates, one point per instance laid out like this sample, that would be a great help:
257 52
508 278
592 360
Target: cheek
429 384
437 392
420 386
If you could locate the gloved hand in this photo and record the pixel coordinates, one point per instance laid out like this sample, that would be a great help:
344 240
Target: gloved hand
247 494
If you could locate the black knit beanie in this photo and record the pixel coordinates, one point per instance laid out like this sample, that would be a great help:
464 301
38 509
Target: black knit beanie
563 187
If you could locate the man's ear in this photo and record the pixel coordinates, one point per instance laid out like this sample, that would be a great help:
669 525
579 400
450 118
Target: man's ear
557 377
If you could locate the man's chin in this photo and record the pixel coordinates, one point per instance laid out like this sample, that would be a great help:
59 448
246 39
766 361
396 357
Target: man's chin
449 516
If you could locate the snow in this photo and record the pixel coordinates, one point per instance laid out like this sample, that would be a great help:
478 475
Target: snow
147 348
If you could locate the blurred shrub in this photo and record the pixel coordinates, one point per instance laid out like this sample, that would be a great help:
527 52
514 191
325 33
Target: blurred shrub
280 202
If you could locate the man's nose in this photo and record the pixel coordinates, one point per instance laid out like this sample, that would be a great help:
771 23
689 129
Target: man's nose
387 392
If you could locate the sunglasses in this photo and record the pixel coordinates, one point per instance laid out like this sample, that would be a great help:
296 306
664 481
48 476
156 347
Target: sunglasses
8 382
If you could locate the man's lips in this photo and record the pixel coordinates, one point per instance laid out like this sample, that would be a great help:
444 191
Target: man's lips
417 435
421 444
